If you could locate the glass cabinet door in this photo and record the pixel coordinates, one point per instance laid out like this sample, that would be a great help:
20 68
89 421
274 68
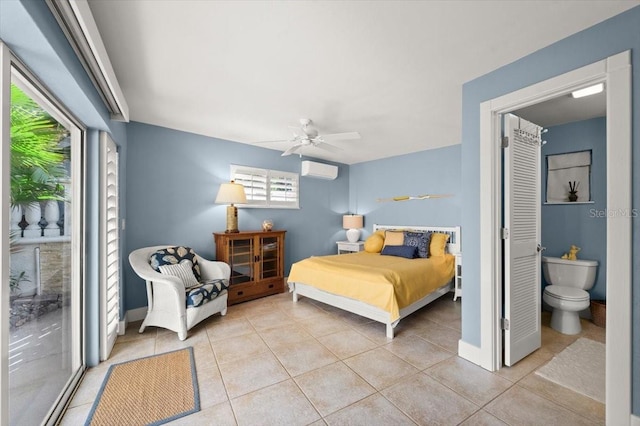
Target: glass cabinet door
241 260
269 257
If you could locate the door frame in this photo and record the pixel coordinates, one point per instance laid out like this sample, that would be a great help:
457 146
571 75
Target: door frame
615 72
10 67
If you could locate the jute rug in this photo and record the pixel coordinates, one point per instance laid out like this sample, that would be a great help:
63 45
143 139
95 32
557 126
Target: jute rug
580 367
148 391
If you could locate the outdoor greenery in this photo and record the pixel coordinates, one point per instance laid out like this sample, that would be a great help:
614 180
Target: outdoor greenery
37 160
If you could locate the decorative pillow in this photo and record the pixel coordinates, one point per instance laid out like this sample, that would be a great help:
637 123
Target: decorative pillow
205 292
419 240
173 256
408 252
438 244
183 270
374 243
394 238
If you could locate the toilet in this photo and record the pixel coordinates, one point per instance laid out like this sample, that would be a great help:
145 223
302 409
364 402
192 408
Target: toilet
567 294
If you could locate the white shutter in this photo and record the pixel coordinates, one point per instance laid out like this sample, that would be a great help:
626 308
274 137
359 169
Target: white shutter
283 189
110 245
522 200
254 181
267 188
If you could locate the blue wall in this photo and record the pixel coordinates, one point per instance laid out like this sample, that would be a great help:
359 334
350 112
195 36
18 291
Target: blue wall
610 37
435 171
172 181
584 225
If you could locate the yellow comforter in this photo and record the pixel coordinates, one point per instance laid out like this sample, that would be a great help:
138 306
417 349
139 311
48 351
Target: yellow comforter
387 282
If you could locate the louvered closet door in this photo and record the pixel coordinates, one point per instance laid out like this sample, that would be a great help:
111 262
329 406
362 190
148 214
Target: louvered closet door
110 242
522 222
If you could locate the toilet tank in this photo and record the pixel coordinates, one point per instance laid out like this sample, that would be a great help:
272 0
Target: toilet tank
571 273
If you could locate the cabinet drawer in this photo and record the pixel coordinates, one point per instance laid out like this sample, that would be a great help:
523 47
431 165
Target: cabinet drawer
243 292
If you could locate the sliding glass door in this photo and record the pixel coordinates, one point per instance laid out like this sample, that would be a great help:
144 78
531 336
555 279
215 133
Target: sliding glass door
42 306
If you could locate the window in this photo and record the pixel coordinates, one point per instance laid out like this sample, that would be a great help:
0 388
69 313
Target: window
267 188
569 177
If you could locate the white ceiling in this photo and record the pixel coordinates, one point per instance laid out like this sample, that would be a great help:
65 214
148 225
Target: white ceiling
392 70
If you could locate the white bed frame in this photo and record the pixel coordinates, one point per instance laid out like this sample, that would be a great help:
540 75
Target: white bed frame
375 313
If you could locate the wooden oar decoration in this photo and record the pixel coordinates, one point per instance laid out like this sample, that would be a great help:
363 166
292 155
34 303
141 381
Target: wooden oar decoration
413 197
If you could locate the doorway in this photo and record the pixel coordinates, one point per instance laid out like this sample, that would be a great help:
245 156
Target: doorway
615 72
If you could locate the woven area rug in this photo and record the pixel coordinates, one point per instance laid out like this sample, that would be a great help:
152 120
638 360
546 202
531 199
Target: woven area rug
148 391
580 367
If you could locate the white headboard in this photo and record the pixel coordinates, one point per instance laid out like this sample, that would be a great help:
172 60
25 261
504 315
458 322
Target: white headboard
455 241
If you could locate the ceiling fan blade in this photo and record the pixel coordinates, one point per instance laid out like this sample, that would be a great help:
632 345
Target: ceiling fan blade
276 141
291 150
328 147
340 136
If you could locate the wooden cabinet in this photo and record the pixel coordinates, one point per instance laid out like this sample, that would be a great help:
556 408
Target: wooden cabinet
257 263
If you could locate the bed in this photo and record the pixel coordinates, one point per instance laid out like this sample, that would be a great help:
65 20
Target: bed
382 288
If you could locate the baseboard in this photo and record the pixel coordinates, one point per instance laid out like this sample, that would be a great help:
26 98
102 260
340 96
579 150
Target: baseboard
132 315
469 352
635 420
137 314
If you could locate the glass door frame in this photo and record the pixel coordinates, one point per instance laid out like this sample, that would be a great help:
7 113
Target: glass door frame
12 68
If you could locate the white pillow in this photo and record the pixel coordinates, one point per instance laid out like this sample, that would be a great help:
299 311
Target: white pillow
182 270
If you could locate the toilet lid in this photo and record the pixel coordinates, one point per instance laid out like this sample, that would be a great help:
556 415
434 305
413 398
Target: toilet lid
567 293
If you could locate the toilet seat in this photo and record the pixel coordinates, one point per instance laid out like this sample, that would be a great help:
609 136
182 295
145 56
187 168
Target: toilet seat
566 293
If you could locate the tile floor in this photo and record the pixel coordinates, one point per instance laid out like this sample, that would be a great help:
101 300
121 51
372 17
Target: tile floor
273 362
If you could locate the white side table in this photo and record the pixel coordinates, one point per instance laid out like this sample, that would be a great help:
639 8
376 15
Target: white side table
458 277
349 247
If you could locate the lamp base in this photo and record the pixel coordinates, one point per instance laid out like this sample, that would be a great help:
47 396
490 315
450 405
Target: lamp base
232 219
353 235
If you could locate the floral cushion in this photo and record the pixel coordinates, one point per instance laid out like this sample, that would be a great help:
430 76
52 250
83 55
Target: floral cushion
205 292
174 256
419 240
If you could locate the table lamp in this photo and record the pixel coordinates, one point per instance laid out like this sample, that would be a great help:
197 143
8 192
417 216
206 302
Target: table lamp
353 223
231 193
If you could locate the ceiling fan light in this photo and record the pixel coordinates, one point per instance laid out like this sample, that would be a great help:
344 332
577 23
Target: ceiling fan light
588 91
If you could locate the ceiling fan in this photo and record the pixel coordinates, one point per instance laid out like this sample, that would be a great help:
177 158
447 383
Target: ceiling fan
308 135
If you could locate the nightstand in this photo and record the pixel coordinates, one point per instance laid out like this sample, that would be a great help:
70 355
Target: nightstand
349 247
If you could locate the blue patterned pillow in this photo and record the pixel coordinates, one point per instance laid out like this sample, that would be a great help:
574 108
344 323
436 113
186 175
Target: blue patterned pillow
173 256
419 240
205 292
408 252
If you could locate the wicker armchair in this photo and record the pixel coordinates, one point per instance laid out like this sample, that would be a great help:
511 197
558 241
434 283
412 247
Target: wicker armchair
167 296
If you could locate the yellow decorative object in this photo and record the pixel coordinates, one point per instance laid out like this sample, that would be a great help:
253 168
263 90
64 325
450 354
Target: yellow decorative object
413 197
573 253
374 243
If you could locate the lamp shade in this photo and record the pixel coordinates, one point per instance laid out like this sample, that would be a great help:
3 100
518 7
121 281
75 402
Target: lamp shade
231 193
352 221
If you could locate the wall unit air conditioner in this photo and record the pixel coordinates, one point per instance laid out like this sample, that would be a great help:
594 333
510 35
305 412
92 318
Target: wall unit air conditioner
319 170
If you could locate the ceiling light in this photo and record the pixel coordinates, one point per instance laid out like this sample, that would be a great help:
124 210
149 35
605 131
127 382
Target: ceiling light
587 91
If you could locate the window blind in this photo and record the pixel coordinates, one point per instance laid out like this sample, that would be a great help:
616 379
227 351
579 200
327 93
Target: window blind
267 188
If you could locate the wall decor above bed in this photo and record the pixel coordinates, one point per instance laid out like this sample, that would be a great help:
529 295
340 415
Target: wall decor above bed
379 287
413 197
